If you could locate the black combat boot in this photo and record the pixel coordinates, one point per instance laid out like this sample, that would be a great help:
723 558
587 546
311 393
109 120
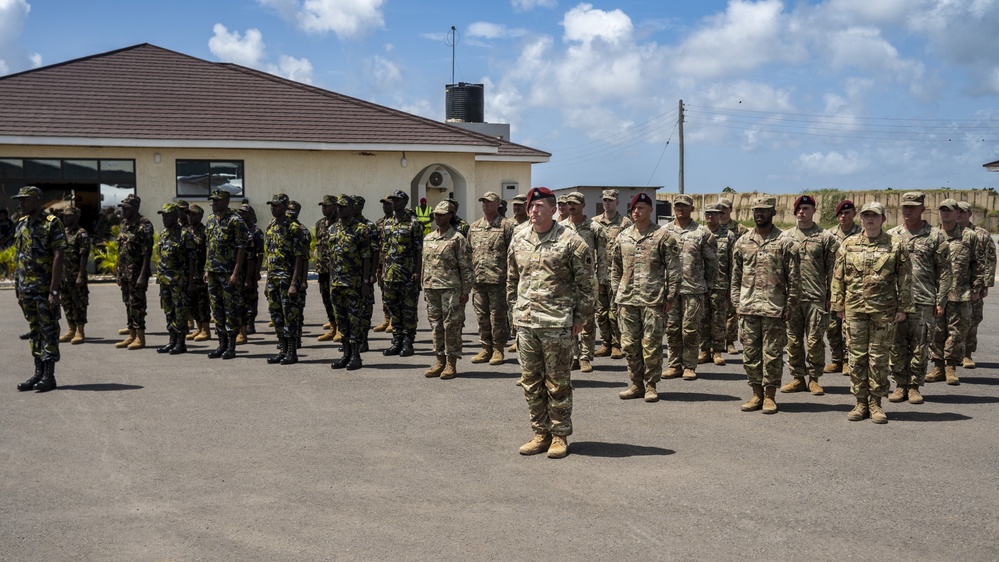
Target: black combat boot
343 361
396 346
222 346
230 346
30 383
355 359
180 346
407 347
291 353
363 348
48 381
282 349
168 347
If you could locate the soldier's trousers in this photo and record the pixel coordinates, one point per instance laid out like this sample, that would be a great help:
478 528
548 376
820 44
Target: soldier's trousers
910 354
347 309
683 331
75 300
763 341
807 324
299 303
950 332
284 309
43 322
642 329
837 347
401 299
869 338
175 300
200 307
607 320
731 325
715 315
324 290
251 303
977 315
446 315
135 304
226 302
369 309
545 356
385 310
489 303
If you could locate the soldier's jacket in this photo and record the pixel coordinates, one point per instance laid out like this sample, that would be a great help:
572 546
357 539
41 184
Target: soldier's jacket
36 243
459 224
816 249
489 241
135 241
967 260
929 254
550 279
224 237
77 246
322 258
764 274
254 245
177 251
725 240
989 245
401 242
841 236
737 227
645 268
200 235
593 234
303 279
374 236
698 257
447 261
612 227
285 241
350 245
872 276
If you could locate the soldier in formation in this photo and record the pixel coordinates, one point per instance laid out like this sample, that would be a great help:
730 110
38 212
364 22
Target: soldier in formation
489 238
988 247
593 234
612 223
731 322
323 228
225 237
75 292
135 249
521 220
200 306
252 263
846 213
402 256
175 272
387 213
719 297
459 224
447 282
369 296
284 252
294 209
350 247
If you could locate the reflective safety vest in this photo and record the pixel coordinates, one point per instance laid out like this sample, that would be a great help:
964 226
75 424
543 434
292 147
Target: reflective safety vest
423 213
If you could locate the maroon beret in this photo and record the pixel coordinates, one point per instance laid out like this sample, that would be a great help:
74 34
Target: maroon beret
641 198
803 200
539 193
844 205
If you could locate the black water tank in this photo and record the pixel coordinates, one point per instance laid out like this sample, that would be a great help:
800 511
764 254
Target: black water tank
465 103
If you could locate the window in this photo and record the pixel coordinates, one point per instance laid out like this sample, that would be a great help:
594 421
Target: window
47 171
198 178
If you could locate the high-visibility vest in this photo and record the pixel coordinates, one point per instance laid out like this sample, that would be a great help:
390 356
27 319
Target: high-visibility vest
423 215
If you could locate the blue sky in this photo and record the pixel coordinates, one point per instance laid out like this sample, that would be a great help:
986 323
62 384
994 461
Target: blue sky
779 96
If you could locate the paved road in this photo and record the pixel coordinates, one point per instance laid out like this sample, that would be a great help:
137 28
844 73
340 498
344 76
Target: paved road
143 457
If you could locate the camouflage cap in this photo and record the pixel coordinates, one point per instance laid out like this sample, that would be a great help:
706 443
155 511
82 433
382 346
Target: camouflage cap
454 203
576 197
490 196
279 199
196 210
609 194
913 198
344 201
873 207
398 194
562 199
386 199
949 204
725 202
168 208
28 191
765 203
520 198
70 211
359 200
328 200
220 193
683 200
964 206
131 201
246 208
442 208
713 208
183 205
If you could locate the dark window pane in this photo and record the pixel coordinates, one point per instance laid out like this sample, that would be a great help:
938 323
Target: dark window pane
80 170
228 176
11 168
118 172
41 170
193 178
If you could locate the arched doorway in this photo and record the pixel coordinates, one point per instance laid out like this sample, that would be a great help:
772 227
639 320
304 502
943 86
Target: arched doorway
437 182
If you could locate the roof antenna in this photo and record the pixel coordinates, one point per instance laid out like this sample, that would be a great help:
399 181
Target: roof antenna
452 40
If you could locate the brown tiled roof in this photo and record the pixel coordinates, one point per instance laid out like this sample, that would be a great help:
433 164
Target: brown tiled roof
147 92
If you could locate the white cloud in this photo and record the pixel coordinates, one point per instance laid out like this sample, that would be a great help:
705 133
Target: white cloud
346 18
285 8
249 50
832 163
299 70
13 57
487 30
586 24
528 5
382 72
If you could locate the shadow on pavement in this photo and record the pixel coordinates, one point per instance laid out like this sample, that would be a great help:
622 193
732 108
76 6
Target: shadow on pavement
988 365
100 387
695 397
488 375
589 383
809 407
926 416
980 380
615 450
961 399
722 376
836 389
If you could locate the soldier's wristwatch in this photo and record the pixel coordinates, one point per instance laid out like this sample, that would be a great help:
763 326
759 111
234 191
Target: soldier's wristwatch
55 293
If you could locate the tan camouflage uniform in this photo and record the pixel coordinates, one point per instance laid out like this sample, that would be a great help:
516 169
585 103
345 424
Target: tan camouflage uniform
593 234
447 278
490 241
699 260
967 258
808 322
837 347
717 306
978 306
607 321
731 322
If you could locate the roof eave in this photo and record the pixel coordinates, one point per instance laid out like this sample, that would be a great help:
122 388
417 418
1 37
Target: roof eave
500 158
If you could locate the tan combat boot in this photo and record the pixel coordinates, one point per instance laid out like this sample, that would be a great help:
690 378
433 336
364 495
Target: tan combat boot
899 395
70 333
846 369
203 333
769 405
968 363
797 384
814 388
140 340
703 358
241 336
483 355
326 326
877 414
756 402
950 371
512 348
632 392
914 396
616 353
451 370
651 395
127 341
859 411
672 373
833 368
327 335
936 374
194 334
717 359
602 351
497 358
123 331
575 365
559 447
689 374
539 444
731 350
585 366
338 336
437 368
80 336
381 327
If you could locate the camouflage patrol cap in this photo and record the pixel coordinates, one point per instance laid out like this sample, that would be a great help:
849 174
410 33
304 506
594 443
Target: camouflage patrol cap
519 199
949 204
196 209
183 205
328 200
344 201
712 208
610 194
398 194
913 198
168 208
562 199
683 200
576 197
70 211
386 199
964 206
359 200
28 191
765 203
220 193
279 199
442 208
131 201
246 208
725 202
490 196
873 207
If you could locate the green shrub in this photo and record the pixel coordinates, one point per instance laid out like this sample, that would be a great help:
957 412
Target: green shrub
106 257
7 258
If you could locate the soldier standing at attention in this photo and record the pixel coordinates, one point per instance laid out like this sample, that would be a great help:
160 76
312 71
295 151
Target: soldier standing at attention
592 233
75 293
563 208
447 281
716 305
200 307
39 241
988 245
520 219
373 234
423 214
135 247
459 224
294 209
252 265
736 227
489 238
350 270
929 255
174 274
967 259
225 235
285 250
550 286
699 259
376 262
645 283
612 223
764 291
846 213
872 292
323 226
809 320
402 252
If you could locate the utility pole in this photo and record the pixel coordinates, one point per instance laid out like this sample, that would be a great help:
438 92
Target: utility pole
680 125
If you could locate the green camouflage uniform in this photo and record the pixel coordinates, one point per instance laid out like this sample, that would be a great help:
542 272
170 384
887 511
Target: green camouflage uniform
607 321
490 241
349 246
402 241
376 242
283 244
550 283
176 249
75 298
200 307
764 290
303 279
716 306
254 253
967 258
929 254
135 242
322 265
731 322
593 234
645 275
447 278
978 306
808 322
837 347
367 310
871 283
35 244
459 224
699 260
224 237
